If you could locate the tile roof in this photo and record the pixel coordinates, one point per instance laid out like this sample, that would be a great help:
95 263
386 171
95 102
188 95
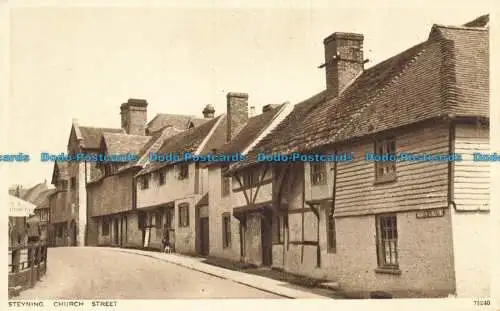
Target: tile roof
153 145
179 121
42 200
60 171
91 136
123 143
447 74
190 141
33 193
481 21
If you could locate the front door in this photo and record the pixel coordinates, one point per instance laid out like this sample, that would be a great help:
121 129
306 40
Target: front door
266 239
204 232
116 232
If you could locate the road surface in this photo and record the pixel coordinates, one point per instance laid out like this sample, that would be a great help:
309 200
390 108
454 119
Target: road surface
100 273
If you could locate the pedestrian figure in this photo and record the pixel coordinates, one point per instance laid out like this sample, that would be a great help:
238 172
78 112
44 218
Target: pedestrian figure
166 240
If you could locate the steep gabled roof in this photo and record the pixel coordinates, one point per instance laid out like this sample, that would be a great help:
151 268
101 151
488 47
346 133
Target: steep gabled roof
481 21
200 137
60 171
153 145
446 75
179 121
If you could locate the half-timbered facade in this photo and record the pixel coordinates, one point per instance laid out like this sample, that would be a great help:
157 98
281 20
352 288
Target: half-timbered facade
227 233
399 226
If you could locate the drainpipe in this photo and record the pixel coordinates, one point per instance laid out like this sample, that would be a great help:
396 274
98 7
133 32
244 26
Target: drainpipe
334 190
451 165
85 238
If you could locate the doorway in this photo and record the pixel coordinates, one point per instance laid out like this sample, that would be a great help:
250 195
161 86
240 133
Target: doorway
204 235
266 238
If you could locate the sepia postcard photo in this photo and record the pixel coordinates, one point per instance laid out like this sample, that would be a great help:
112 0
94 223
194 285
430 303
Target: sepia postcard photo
290 151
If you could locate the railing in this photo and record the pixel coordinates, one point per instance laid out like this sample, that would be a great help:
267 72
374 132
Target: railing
27 264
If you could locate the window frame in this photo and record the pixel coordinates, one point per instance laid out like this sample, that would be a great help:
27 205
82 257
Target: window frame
183 215
225 182
331 233
318 169
385 171
278 229
162 177
145 181
105 224
381 230
183 171
73 183
226 230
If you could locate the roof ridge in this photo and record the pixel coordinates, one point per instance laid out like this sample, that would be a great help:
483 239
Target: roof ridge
483 28
262 132
101 127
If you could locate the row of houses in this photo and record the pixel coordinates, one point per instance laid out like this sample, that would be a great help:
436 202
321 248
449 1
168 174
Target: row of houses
407 227
33 225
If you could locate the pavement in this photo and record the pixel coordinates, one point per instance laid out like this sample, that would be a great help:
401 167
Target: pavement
101 273
117 273
283 289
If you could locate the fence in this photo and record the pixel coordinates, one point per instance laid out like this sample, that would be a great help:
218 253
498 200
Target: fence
27 264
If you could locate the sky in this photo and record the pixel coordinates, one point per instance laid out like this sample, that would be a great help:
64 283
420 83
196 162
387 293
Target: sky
83 62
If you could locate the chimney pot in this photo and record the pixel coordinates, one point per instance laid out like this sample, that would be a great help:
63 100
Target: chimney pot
269 107
343 59
237 113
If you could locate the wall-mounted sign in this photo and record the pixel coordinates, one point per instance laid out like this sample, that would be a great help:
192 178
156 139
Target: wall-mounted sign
430 213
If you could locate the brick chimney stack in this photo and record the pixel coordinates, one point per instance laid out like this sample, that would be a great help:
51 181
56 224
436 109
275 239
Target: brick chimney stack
237 113
134 116
209 111
343 59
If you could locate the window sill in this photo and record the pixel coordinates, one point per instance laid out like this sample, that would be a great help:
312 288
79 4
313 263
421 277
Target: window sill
386 179
393 271
323 183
